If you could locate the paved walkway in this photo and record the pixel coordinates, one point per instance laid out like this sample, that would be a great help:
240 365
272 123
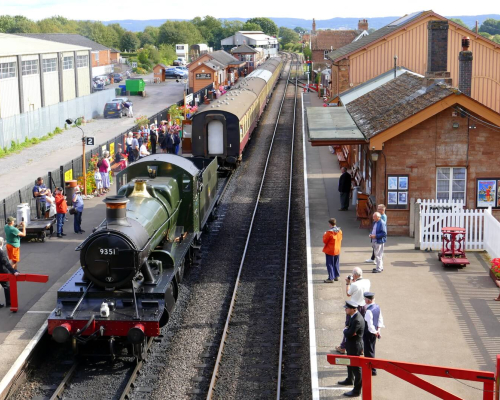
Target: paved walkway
433 315
20 169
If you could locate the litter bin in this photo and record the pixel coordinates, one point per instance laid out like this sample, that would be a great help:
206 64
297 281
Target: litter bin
123 88
118 91
134 86
69 189
355 191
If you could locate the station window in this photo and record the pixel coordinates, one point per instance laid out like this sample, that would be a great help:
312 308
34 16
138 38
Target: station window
49 65
325 56
82 61
68 63
451 183
7 70
29 67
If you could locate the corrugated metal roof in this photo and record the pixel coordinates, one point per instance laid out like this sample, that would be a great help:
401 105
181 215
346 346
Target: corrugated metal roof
331 123
372 37
68 38
244 48
224 57
360 90
13 45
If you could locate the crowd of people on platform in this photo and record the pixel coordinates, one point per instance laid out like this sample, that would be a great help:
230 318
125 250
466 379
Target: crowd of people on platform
363 317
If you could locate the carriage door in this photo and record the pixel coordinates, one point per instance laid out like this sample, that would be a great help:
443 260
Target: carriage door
215 138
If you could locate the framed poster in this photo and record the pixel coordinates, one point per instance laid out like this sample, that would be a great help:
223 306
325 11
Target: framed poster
392 183
392 198
397 192
487 193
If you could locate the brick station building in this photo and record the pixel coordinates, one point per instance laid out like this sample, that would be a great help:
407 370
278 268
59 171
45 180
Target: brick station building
418 136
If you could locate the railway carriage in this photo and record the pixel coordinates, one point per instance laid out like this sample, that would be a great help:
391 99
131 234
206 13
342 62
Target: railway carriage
223 128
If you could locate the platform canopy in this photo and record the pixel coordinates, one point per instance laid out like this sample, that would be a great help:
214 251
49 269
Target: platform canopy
328 126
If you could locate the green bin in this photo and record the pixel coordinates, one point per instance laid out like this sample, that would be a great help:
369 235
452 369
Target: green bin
118 91
134 86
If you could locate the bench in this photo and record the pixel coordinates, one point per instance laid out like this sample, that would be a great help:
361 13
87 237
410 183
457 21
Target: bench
364 209
342 155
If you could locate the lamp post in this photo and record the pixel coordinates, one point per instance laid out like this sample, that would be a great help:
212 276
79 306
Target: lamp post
71 122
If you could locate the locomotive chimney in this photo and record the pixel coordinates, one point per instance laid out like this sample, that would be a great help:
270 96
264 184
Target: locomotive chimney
465 67
116 210
140 189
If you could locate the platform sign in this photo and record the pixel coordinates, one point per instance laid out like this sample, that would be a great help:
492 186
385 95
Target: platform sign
112 149
68 175
89 140
189 98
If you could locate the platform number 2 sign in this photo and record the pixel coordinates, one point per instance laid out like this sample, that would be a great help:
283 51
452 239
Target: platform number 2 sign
89 141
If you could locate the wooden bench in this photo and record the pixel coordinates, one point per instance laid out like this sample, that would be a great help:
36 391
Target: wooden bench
342 155
364 209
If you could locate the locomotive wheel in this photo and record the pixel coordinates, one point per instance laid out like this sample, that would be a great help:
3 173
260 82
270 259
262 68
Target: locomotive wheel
139 351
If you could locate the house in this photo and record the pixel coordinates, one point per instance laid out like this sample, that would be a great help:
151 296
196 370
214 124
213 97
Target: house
325 41
38 73
252 57
407 40
101 55
417 136
268 44
114 56
217 67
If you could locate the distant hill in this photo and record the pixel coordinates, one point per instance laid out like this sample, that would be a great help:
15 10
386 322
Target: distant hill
333 23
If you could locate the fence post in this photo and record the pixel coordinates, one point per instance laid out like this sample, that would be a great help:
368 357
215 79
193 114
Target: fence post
20 198
61 175
412 217
5 211
416 224
49 174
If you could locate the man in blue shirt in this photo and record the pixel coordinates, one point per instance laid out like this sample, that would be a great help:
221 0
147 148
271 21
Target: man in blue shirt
378 237
78 205
39 192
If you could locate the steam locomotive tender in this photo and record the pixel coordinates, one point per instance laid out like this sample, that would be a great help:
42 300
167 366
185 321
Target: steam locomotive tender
223 128
133 262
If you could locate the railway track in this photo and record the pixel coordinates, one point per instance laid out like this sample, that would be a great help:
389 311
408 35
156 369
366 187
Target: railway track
249 362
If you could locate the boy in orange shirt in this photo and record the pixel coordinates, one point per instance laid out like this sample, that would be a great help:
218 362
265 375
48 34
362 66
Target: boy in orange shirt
332 240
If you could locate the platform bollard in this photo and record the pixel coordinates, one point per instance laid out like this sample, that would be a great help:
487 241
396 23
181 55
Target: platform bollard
13 279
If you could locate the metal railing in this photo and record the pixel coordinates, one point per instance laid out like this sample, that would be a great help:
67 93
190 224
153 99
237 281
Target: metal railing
57 177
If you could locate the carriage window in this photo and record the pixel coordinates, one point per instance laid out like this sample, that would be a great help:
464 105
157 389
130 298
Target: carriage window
187 183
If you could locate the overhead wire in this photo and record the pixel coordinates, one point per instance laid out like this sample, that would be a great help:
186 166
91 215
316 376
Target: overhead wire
480 121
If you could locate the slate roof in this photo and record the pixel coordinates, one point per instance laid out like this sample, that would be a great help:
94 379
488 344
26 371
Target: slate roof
224 57
68 38
244 48
325 40
378 34
394 102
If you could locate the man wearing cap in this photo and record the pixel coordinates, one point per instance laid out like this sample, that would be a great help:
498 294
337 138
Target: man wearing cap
353 333
374 321
13 237
78 205
62 209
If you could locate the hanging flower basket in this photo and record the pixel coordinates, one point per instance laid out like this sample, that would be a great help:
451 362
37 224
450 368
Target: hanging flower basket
495 270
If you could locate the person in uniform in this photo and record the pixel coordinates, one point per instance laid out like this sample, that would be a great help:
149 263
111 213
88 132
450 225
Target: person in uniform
5 268
353 333
374 321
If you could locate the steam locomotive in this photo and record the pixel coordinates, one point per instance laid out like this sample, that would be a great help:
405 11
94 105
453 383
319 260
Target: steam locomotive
133 262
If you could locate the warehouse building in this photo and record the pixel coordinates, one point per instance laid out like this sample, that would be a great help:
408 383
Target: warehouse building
254 39
38 73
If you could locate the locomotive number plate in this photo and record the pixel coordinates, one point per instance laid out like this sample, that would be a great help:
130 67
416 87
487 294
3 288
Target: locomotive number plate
108 252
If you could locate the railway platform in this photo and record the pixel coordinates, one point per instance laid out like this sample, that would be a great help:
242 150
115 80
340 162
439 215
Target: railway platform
55 257
435 316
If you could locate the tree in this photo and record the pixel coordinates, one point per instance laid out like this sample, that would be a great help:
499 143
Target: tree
57 24
288 35
459 22
173 32
251 26
491 26
299 30
167 54
209 28
267 25
17 24
129 42
119 33
145 38
153 31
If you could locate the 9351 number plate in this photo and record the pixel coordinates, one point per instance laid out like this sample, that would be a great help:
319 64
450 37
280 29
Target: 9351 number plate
108 251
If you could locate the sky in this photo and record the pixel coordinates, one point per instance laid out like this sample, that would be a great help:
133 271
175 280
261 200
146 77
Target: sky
161 9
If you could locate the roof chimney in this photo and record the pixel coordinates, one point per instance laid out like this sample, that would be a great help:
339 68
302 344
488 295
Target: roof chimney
465 67
363 25
437 53
313 32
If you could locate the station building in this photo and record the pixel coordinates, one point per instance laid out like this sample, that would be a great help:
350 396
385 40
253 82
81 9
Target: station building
252 57
217 67
406 39
405 136
36 73
255 39
101 56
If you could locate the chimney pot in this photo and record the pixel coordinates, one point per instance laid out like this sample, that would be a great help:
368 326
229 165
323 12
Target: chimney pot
465 68
465 43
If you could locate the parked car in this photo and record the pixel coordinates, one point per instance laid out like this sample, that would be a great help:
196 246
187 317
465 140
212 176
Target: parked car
180 61
114 109
118 77
121 100
182 69
175 73
103 78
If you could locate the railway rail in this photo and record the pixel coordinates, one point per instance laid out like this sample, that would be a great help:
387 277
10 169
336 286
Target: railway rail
250 355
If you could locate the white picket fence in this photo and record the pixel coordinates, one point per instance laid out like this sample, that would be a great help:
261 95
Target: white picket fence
435 215
491 234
